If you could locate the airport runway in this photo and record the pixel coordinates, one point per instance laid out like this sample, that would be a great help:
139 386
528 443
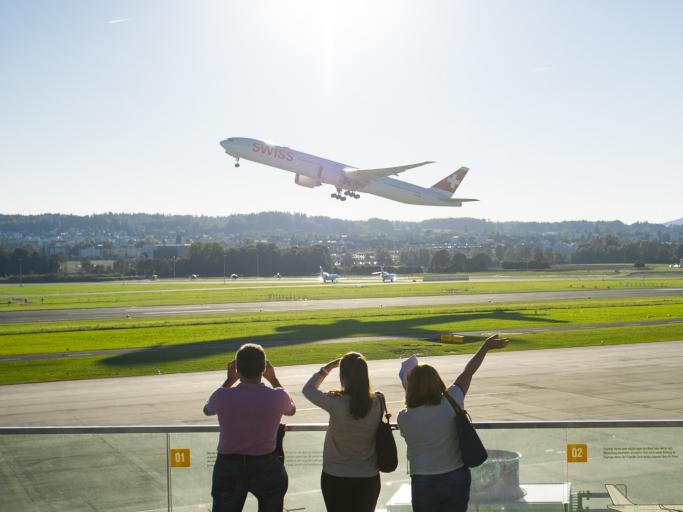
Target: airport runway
638 381
55 315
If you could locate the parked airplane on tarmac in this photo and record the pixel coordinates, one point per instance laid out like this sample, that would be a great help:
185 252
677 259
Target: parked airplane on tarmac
621 503
327 277
312 171
386 276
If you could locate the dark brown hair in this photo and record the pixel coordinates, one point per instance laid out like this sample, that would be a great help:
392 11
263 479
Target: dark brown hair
425 386
250 360
353 371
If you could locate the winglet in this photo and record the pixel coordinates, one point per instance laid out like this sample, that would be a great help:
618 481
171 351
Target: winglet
451 182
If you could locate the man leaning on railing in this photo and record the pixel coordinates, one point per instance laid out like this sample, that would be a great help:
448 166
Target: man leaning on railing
248 416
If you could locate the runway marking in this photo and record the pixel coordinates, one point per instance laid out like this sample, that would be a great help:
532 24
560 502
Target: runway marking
157 313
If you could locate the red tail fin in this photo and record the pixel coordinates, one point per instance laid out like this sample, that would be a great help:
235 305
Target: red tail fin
450 183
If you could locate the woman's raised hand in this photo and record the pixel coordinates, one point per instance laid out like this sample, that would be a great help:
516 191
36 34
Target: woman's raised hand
496 342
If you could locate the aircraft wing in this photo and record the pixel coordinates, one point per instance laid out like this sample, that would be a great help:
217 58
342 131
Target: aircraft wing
365 176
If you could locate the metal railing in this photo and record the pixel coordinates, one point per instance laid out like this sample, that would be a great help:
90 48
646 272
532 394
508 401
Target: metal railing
321 427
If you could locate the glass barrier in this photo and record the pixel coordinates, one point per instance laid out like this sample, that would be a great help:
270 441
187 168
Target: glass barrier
89 471
546 466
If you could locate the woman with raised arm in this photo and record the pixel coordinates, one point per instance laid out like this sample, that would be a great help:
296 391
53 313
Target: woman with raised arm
439 479
350 477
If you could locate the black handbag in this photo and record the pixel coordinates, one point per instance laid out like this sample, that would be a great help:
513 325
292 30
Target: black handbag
387 455
471 448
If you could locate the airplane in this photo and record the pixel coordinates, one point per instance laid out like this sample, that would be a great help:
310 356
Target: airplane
313 171
622 504
386 276
327 277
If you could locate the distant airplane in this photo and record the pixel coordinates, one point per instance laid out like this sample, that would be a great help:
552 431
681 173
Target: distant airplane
312 171
327 277
386 276
622 504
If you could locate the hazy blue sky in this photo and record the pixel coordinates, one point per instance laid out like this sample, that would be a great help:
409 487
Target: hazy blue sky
562 110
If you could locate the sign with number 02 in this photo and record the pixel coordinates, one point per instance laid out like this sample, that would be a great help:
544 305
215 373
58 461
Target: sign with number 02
577 453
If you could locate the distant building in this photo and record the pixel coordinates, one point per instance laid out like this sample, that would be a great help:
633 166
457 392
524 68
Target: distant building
54 250
92 253
126 252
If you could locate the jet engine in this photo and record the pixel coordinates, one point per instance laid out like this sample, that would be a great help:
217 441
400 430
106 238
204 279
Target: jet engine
305 181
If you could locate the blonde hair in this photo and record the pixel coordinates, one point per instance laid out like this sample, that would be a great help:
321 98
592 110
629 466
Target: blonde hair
425 386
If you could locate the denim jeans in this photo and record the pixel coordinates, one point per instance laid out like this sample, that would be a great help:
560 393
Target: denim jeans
447 492
264 477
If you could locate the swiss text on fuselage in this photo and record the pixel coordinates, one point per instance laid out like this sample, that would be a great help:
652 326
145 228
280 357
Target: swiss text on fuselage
274 151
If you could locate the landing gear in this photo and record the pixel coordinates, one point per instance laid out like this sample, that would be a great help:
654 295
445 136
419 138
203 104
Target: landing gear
347 193
237 162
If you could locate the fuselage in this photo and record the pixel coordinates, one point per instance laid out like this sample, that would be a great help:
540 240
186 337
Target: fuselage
313 171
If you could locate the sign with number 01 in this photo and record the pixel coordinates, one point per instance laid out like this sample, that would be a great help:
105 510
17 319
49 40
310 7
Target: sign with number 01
180 457
577 453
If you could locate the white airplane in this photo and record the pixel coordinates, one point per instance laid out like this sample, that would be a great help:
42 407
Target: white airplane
622 504
312 171
386 276
327 277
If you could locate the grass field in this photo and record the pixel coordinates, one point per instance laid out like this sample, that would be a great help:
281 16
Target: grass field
204 343
152 363
66 296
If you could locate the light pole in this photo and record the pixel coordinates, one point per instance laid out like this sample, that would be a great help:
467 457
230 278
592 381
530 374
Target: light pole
224 255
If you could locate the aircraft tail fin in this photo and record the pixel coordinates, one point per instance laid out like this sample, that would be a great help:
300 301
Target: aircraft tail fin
451 182
616 496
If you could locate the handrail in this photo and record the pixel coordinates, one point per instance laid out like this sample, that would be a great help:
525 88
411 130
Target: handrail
321 427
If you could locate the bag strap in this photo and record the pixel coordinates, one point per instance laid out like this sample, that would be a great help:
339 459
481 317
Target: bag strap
382 407
456 407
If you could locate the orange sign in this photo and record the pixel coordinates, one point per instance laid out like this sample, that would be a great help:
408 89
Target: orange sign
180 457
577 453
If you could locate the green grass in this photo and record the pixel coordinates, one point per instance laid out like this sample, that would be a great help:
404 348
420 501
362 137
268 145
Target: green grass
182 344
303 326
151 363
38 297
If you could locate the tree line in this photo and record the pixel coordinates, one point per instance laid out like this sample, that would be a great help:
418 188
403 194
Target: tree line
212 259
27 260
610 249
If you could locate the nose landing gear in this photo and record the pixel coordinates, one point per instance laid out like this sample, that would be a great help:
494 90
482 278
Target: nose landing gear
237 161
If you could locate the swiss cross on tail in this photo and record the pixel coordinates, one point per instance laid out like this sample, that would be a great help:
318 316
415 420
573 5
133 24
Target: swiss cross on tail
450 183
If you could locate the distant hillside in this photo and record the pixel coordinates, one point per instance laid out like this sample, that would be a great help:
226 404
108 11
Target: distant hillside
678 222
296 226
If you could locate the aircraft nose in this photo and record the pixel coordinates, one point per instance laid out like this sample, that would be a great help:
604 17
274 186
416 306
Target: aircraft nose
226 144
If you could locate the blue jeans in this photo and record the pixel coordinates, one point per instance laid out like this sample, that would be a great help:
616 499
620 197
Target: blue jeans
447 492
233 478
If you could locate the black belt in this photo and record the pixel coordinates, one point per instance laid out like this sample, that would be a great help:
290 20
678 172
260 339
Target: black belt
237 456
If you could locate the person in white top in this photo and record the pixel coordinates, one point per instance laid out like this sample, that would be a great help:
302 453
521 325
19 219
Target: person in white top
439 479
350 477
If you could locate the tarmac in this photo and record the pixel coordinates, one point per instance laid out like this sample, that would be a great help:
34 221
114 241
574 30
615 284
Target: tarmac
635 381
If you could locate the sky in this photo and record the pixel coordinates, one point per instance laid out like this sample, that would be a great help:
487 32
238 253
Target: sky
562 110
